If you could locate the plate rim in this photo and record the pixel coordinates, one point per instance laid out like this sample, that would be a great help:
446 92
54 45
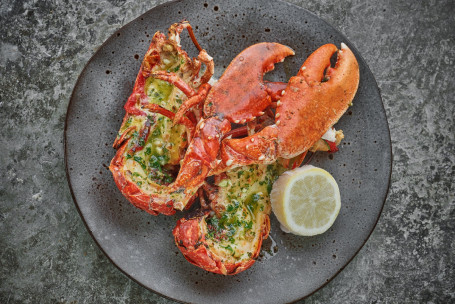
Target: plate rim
114 35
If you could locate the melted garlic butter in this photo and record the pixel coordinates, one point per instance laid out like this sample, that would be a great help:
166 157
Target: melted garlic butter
245 197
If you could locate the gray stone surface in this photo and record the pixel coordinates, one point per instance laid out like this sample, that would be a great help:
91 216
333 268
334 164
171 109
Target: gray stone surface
46 253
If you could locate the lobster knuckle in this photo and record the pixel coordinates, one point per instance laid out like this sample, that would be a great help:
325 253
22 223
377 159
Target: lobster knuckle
258 148
209 129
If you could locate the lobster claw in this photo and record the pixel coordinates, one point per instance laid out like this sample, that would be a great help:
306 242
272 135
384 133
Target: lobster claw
241 94
315 99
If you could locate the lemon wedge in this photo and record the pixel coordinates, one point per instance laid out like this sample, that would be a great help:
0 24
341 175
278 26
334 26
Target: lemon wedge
306 200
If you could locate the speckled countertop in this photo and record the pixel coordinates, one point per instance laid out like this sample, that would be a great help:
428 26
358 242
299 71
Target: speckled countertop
46 253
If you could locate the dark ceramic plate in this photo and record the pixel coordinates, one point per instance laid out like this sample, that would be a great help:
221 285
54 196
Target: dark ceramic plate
141 245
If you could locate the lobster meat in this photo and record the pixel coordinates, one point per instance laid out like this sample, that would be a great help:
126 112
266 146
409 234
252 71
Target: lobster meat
149 146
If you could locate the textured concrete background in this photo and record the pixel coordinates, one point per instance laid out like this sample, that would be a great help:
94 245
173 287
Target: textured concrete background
46 253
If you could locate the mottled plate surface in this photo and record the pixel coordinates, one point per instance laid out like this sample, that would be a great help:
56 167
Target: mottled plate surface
141 245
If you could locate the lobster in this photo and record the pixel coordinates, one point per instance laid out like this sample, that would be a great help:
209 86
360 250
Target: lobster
283 122
149 146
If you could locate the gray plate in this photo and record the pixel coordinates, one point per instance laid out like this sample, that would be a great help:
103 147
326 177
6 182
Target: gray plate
141 245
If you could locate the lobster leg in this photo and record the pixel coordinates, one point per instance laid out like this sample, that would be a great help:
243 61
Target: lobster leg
210 66
191 33
119 140
174 34
143 135
194 100
174 79
184 121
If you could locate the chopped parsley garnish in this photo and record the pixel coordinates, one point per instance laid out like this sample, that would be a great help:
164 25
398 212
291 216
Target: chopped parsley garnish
228 247
140 161
177 68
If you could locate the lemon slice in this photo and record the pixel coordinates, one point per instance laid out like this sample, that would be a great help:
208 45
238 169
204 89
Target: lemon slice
306 200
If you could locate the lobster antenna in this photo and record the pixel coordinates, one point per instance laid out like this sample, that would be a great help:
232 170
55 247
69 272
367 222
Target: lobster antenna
193 38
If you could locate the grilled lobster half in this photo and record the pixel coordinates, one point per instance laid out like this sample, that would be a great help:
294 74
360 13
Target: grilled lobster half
225 236
149 145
